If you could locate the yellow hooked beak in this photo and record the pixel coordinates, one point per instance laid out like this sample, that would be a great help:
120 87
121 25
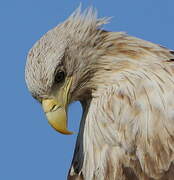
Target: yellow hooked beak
55 108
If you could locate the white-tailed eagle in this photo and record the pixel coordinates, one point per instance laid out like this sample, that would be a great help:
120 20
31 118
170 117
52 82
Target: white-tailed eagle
126 88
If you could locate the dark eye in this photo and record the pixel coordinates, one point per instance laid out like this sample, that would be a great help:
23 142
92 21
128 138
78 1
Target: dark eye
59 76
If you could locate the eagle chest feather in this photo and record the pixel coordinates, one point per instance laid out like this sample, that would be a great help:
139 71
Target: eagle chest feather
127 128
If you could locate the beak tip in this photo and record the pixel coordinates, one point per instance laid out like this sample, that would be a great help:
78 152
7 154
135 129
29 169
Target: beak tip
61 130
65 132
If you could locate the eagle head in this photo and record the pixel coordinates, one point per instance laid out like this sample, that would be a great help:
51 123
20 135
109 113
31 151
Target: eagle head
63 65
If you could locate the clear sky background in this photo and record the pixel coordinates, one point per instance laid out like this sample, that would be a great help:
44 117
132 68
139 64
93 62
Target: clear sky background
29 148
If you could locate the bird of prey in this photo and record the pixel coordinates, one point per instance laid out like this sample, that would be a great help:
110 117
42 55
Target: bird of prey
126 88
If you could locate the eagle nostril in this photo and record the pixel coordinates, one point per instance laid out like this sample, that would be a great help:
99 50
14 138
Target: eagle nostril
54 107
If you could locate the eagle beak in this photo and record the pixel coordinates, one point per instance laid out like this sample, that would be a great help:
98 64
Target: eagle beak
56 108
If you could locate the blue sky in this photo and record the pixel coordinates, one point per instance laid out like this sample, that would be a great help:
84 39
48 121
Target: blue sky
29 148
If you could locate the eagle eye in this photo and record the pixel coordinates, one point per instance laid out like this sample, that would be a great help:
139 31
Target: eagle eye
59 76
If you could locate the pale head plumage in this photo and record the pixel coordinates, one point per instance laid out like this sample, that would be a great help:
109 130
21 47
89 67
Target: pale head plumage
71 45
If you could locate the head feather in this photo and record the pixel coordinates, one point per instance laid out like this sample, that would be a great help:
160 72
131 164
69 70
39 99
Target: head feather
80 30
